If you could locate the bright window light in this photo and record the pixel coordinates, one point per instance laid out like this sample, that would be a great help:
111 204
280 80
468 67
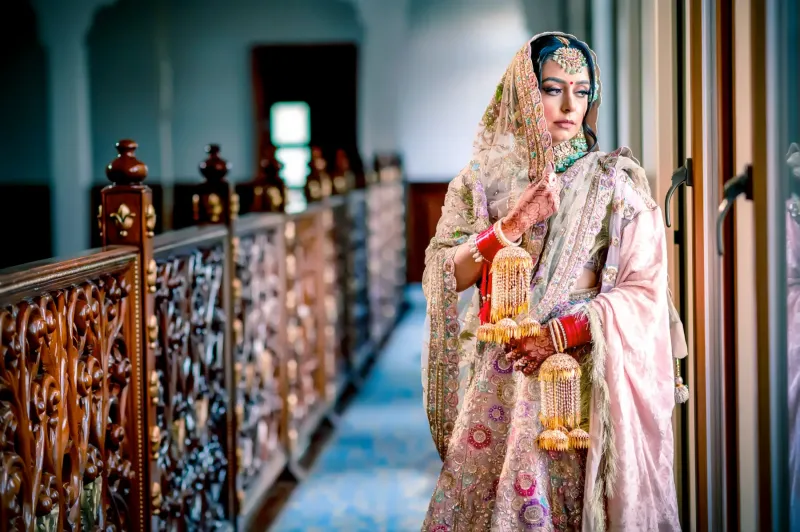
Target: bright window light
290 123
295 165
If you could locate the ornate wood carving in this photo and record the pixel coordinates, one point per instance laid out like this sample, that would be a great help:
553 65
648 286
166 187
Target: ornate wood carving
267 192
386 249
357 278
190 445
66 434
332 303
344 179
214 203
128 217
258 301
319 184
304 369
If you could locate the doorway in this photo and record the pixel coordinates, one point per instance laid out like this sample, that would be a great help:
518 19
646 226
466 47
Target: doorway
315 86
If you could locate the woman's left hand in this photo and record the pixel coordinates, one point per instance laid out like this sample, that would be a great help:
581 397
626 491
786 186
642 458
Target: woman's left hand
529 353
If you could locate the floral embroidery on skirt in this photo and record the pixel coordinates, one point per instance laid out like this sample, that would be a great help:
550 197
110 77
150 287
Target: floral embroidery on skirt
495 477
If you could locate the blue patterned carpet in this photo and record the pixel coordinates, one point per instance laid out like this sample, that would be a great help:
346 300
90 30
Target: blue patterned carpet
379 469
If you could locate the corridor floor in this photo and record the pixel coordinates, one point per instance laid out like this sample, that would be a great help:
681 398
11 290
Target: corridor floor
378 471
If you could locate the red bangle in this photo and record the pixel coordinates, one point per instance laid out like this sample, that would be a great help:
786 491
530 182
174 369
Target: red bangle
576 329
488 244
486 293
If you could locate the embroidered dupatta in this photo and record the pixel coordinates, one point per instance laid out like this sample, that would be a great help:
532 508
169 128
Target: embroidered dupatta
600 196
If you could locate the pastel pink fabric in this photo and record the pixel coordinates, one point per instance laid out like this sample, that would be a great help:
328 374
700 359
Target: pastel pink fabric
635 318
793 345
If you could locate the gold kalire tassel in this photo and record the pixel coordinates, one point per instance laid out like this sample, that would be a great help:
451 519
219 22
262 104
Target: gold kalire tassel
512 268
560 385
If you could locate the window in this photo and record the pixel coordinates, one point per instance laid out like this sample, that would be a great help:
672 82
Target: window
290 132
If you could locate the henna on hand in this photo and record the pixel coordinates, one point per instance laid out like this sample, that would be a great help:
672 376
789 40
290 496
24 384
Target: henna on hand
538 202
529 353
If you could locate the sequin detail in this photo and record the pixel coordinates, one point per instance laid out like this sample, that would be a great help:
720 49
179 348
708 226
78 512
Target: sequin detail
533 514
503 365
525 485
480 436
497 413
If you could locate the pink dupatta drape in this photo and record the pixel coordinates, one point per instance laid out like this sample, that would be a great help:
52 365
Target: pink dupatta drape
630 325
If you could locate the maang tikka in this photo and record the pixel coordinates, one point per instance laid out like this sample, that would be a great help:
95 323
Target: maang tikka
570 59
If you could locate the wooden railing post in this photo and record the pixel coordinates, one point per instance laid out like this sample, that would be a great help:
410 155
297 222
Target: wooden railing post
214 202
344 179
126 216
267 192
318 183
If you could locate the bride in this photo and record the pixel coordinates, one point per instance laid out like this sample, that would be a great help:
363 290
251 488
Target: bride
538 182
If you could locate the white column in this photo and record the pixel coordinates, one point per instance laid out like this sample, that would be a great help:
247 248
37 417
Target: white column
629 79
577 15
62 29
381 65
544 15
602 41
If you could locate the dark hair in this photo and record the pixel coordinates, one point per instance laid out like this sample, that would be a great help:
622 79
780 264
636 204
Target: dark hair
543 49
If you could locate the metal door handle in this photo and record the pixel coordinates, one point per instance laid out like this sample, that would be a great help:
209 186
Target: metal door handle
682 175
734 187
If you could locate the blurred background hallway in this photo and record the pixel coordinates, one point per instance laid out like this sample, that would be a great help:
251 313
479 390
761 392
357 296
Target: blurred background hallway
379 468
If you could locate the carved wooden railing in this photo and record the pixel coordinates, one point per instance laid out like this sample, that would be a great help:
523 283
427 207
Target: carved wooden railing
71 426
165 381
259 348
306 361
334 227
191 439
357 281
386 249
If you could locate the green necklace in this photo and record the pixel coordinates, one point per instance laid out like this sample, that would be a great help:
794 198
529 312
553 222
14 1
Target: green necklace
569 151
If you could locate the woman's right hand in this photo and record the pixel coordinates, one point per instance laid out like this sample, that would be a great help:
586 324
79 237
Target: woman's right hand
538 202
529 353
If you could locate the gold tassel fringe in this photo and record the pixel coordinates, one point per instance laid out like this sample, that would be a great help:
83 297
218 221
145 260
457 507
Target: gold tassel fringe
527 328
486 332
578 439
501 332
553 440
512 269
560 384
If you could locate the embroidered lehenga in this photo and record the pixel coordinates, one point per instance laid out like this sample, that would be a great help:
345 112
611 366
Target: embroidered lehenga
484 415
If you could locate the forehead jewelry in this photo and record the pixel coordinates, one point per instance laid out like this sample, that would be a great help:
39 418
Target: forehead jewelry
570 59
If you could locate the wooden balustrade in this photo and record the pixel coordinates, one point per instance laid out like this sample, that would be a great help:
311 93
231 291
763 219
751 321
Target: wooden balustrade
386 247
71 399
165 381
260 355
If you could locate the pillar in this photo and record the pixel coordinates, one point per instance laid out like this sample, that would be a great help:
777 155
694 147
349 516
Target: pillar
381 66
62 29
602 41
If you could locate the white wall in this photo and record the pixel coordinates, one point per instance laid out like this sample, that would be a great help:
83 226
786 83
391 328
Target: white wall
457 52
123 84
212 73
195 88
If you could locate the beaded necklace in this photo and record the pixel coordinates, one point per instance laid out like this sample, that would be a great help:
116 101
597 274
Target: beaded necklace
569 151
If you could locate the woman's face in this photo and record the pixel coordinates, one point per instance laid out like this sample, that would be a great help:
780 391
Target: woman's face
565 98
